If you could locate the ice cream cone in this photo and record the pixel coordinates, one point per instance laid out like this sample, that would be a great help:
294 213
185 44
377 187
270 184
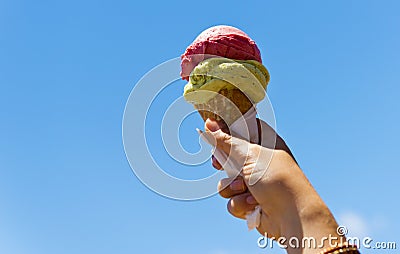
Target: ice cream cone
224 109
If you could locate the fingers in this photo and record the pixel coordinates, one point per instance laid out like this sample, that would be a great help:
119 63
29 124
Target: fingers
224 142
241 201
214 125
215 163
215 136
241 204
228 187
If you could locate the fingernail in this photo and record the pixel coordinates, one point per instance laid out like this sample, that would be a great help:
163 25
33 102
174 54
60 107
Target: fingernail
237 185
199 131
251 200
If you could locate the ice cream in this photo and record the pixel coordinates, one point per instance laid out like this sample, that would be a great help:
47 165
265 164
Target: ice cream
215 74
224 41
241 83
223 60
226 80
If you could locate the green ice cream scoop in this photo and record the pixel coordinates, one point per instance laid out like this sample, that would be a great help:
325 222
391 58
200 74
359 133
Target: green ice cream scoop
215 74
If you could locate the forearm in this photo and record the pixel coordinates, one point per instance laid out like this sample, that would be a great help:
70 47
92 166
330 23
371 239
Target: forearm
309 220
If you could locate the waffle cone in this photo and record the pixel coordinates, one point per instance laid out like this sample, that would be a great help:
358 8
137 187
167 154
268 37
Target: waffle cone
224 109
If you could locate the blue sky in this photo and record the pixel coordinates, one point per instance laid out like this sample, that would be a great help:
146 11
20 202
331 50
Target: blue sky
66 71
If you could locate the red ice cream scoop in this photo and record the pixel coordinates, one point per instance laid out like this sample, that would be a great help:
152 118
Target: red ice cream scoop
224 41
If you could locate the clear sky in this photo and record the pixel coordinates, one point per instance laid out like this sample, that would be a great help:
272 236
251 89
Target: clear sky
66 71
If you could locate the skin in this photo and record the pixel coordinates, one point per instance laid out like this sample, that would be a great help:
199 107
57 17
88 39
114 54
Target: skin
290 205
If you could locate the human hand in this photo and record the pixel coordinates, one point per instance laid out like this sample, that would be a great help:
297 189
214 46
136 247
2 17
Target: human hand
271 178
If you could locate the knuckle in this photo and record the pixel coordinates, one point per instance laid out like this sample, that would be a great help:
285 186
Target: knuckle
226 138
224 194
221 186
230 208
234 208
222 135
223 189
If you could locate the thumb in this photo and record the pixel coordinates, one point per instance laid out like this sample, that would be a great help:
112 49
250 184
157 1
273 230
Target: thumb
216 137
211 125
